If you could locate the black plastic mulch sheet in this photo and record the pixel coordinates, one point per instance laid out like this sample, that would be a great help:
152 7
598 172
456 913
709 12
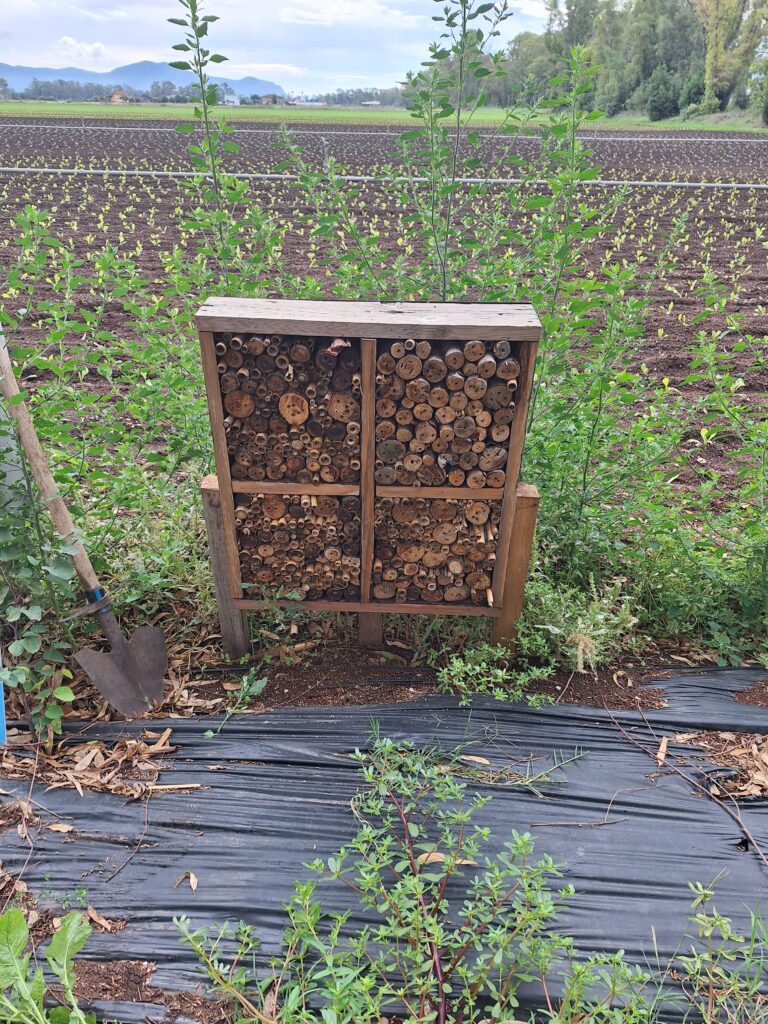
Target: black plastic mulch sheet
277 794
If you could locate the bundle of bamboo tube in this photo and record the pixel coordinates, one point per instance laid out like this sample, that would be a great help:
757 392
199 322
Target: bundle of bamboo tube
291 407
435 550
443 412
307 545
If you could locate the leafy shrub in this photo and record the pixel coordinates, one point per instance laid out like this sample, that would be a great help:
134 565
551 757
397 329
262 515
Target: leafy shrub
692 91
23 989
661 94
723 973
35 583
458 929
566 627
740 98
764 111
486 669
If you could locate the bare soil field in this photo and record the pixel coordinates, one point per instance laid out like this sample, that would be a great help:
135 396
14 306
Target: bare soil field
365 149
141 215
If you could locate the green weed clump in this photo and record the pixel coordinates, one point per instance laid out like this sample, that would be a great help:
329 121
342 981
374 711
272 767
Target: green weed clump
459 925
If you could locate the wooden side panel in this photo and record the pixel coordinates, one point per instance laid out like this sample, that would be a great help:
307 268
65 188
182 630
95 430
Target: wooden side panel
233 621
517 563
516 442
491 321
216 416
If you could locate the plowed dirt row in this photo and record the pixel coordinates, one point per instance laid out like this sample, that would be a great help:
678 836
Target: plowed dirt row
726 229
37 143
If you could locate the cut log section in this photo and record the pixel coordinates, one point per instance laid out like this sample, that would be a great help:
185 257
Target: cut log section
434 550
291 407
443 413
301 547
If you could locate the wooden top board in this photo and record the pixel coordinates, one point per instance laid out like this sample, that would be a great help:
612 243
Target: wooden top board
431 320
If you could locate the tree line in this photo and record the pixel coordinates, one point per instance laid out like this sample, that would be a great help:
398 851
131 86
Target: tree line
659 57
88 92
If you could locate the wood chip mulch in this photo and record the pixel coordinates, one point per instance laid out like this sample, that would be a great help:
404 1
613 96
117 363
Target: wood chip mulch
744 755
128 981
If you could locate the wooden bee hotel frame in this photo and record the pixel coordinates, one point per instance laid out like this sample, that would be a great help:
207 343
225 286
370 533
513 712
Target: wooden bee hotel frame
367 459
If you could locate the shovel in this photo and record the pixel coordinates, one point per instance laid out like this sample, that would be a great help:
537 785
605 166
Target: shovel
131 674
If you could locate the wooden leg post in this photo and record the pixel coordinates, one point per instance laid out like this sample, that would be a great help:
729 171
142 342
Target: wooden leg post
520 547
369 629
234 623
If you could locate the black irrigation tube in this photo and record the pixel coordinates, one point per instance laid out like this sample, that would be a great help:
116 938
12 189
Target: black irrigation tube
377 179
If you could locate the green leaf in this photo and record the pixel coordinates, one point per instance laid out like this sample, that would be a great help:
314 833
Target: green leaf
14 935
65 693
180 65
60 569
186 129
216 58
32 643
65 945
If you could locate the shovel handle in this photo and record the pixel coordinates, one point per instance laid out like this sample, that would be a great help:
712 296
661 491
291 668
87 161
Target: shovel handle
30 443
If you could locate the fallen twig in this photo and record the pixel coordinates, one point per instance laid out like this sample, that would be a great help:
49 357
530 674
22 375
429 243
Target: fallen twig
138 846
734 814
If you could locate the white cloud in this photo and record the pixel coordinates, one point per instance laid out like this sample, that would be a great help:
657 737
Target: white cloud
337 12
531 8
70 49
103 15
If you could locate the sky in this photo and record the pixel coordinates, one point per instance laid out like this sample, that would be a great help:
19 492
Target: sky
306 46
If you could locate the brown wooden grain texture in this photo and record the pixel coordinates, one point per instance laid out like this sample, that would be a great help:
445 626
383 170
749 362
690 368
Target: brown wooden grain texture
377 607
516 442
482 494
367 464
517 563
289 487
223 475
370 629
419 320
233 621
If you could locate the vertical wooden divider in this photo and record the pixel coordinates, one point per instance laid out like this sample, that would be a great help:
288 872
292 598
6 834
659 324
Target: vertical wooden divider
527 357
370 627
216 415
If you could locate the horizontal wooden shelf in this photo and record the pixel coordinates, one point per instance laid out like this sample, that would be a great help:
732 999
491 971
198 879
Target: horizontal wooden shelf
492 321
378 607
479 493
291 487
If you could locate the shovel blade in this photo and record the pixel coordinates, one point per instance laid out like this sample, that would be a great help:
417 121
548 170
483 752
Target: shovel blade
131 675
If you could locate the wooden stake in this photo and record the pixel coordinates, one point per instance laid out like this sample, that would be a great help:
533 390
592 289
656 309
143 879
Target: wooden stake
370 629
517 562
234 623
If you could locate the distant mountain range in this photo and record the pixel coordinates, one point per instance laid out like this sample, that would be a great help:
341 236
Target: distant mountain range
138 76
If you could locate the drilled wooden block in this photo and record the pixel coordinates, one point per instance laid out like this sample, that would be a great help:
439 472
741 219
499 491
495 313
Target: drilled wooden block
444 412
435 550
291 407
302 546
